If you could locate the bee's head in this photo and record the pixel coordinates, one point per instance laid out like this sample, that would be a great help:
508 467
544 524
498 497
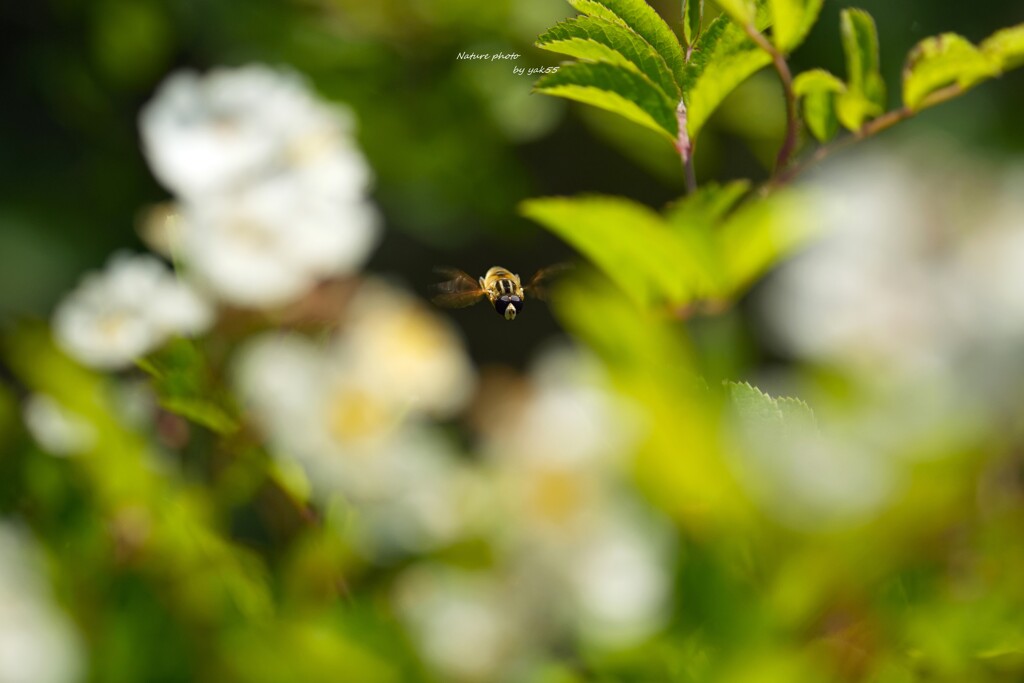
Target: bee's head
509 305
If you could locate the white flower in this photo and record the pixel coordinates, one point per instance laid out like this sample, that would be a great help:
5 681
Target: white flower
126 311
558 452
271 185
411 355
37 642
208 134
56 429
350 413
270 243
619 580
463 623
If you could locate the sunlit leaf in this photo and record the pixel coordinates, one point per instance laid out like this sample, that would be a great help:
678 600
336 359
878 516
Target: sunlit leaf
708 205
693 20
599 40
758 235
866 93
792 20
642 19
723 58
742 11
631 243
943 60
782 414
1006 46
617 89
818 90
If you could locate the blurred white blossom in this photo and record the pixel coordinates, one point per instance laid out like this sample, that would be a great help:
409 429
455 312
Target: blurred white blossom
351 412
914 295
55 428
919 268
231 127
464 623
126 311
270 182
37 641
272 242
564 519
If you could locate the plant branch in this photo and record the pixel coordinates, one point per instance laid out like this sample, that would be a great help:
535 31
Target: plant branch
869 129
792 120
685 148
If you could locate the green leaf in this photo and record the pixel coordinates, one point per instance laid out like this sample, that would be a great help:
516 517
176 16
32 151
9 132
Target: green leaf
599 40
792 20
866 94
817 89
631 243
202 412
741 11
644 21
707 206
693 20
940 61
723 58
758 235
775 417
853 108
617 89
1006 46
184 387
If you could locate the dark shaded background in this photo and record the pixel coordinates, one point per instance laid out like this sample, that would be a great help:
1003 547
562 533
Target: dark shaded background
450 152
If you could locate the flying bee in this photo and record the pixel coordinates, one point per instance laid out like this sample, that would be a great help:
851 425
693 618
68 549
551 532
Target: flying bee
500 286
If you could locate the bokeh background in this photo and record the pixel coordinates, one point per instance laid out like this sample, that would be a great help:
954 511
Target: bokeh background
895 558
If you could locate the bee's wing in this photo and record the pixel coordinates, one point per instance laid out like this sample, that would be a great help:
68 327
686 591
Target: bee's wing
458 291
539 285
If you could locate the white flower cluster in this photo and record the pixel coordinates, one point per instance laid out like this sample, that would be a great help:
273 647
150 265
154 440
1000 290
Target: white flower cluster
575 554
352 413
914 294
270 184
126 311
918 270
270 199
37 641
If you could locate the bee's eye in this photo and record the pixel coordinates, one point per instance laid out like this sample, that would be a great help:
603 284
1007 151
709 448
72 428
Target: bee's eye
508 306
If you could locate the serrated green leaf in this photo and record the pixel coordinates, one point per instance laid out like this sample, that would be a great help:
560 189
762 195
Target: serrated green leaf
631 243
818 89
638 16
695 219
817 80
866 94
940 61
852 108
707 206
693 20
792 20
616 88
723 58
860 44
741 11
780 415
1006 47
599 40
759 235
